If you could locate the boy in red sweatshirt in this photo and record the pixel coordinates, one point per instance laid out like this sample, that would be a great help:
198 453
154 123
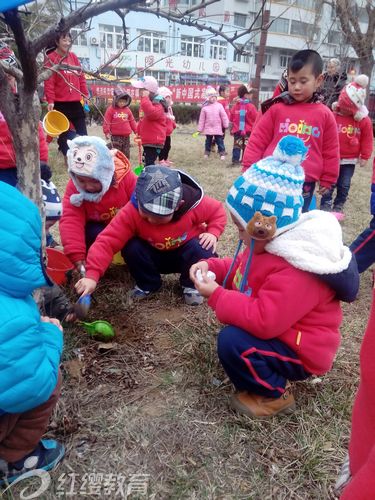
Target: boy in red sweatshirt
272 335
152 125
356 139
299 112
168 225
119 121
101 183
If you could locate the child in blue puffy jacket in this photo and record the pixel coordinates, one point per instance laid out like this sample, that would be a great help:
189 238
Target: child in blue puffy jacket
31 345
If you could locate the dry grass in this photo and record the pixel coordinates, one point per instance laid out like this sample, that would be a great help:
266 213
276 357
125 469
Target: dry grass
157 402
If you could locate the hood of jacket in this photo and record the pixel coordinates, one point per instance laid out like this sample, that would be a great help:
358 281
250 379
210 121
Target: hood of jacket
315 245
22 269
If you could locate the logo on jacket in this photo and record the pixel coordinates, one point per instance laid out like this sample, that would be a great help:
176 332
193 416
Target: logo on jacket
299 129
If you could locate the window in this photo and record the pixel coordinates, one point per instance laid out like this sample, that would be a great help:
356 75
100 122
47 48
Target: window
79 37
159 75
218 50
279 25
285 57
152 41
334 37
300 28
111 37
305 4
245 58
239 20
267 58
192 46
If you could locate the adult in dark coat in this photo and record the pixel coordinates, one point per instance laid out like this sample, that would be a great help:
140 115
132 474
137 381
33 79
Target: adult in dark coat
333 82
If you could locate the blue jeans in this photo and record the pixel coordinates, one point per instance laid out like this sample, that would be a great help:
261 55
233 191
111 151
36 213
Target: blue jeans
219 140
258 366
146 263
363 247
342 187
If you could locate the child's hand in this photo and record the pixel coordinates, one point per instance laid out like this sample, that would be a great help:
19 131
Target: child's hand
54 321
207 241
362 163
50 106
202 266
205 286
144 93
323 190
85 286
80 266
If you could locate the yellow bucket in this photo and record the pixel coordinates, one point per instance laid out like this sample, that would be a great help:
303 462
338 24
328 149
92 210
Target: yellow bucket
55 123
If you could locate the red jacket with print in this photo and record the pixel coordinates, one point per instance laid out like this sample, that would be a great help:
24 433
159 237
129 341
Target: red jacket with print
310 327
73 221
152 125
208 216
356 138
314 123
250 116
64 85
119 121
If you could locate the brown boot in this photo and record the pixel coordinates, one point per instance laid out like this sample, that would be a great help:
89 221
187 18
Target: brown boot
257 406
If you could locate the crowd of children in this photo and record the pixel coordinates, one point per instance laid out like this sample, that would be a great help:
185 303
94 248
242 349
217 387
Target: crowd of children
162 222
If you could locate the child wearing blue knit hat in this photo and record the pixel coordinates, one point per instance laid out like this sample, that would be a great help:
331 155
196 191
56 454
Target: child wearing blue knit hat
280 298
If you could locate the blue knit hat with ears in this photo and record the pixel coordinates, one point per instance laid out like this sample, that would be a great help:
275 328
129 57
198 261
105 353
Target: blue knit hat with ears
272 186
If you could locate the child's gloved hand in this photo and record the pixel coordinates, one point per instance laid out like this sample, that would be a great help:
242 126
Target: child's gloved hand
85 286
207 241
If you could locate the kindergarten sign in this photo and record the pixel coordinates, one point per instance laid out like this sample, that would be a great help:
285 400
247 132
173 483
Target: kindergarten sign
180 93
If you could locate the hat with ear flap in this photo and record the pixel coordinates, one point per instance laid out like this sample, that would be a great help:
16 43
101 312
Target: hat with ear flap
88 156
266 199
272 187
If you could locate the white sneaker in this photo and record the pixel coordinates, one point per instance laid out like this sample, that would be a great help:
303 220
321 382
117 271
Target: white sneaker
222 157
192 296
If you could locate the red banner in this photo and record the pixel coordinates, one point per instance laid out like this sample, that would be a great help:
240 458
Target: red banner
180 93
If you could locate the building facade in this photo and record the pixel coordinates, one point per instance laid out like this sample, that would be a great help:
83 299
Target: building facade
181 54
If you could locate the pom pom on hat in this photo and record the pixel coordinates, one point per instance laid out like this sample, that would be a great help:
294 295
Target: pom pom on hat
352 98
272 186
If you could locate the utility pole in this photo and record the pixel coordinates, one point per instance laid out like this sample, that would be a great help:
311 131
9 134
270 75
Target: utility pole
262 46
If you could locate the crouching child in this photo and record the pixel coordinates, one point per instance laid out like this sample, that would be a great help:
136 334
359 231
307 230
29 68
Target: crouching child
168 225
280 297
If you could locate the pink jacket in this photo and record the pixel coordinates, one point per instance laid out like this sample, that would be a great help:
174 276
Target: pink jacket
212 119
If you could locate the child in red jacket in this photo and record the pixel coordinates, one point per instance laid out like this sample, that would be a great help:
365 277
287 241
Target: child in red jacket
119 121
241 120
171 125
272 335
166 227
152 125
101 184
299 112
356 139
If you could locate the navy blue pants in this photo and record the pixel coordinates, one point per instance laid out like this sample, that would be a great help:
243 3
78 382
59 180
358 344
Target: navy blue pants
342 187
363 247
73 110
258 366
92 230
147 263
150 155
219 140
